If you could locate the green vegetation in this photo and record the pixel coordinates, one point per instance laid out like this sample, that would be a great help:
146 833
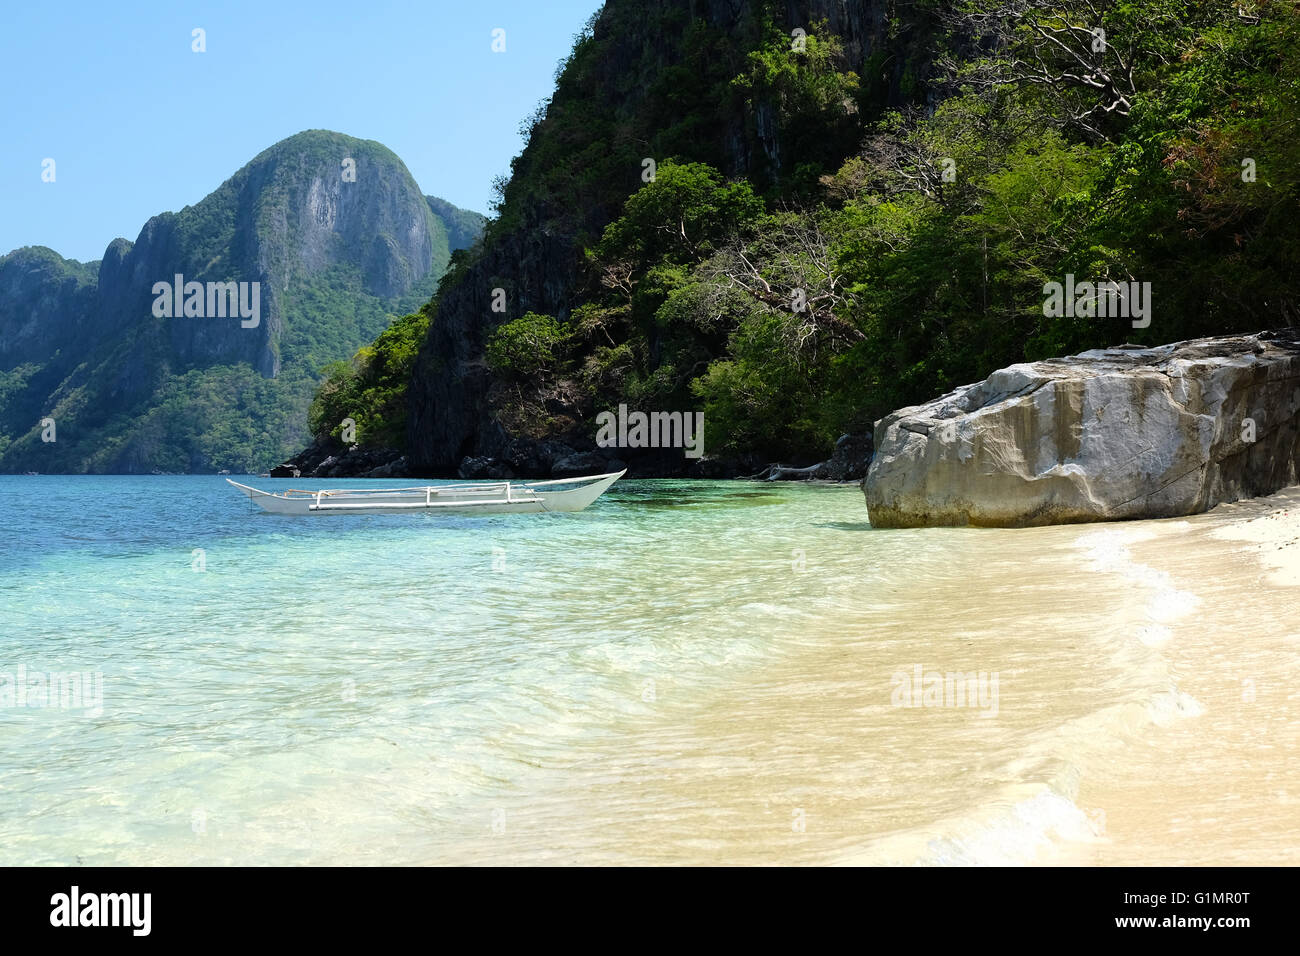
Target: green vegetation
216 416
527 347
893 232
371 389
133 393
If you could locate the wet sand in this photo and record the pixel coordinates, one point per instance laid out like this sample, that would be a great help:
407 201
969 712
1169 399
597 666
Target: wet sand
1217 783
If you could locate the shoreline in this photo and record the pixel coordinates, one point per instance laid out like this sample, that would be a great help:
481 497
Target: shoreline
1206 770
757 725
1213 777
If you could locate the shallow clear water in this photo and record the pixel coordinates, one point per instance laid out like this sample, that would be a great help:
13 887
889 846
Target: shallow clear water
685 672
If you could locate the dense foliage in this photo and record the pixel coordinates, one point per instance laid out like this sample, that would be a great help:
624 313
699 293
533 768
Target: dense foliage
875 257
371 389
217 416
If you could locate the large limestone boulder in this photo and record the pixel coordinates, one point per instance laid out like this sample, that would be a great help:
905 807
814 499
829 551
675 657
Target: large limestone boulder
1127 432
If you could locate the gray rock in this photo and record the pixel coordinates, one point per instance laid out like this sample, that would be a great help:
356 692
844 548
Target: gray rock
585 463
1118 433
713 468
851 459
530 458
326 468
393 469
474 468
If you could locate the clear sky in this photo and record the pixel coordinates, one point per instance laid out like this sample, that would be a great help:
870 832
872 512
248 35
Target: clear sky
137 123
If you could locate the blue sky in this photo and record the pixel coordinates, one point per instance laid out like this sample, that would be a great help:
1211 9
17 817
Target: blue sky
137 123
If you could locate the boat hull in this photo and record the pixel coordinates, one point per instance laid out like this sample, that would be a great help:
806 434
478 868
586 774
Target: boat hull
476 499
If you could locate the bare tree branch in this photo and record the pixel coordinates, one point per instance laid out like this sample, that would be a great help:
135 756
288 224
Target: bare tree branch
1058 46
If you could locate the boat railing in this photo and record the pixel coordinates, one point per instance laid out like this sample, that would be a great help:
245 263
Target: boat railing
348 503
498 487
506 488
429 505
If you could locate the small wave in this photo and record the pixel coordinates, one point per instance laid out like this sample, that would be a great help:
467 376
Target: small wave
1027 821
1015 827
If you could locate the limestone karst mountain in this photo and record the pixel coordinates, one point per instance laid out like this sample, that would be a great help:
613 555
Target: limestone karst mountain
337 237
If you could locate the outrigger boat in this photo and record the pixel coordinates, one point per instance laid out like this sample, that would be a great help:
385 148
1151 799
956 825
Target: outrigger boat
496 497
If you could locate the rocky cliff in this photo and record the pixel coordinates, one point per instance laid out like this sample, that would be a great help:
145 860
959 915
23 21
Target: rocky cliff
336 235
1108 434
651 79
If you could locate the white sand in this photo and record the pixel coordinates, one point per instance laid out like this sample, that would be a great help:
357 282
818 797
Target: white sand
1275 537
1216 781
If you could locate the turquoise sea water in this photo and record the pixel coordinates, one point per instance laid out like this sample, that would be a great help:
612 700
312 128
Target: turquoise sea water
685 672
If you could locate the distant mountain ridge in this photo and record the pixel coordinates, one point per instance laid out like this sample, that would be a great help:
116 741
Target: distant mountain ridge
338 237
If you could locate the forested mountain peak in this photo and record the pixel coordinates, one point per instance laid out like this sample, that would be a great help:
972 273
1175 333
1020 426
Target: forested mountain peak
326 235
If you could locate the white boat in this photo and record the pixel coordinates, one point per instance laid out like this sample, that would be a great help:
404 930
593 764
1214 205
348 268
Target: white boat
479 497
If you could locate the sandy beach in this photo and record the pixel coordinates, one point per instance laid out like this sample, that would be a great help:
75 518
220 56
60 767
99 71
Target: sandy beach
1211 776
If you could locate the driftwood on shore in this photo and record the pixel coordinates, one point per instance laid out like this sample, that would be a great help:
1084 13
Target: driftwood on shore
776 472
849 462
